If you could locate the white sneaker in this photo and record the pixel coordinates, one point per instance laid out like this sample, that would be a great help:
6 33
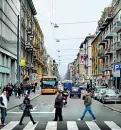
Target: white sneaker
79 119
94 120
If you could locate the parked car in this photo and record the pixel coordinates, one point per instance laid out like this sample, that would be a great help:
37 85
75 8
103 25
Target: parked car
75 91
97 90
96 93
110 95
101 92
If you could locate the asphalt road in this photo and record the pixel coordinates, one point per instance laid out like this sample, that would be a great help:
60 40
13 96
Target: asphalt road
44 113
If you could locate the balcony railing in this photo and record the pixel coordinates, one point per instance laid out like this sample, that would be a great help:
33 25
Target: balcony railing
100 26
108 51
108 68
28 46
117 27
117 45
109 35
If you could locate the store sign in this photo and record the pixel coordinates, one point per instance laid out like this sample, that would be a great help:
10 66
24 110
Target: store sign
4 70
22 61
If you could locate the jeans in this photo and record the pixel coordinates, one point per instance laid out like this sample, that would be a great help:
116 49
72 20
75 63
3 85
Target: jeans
88 108
3 114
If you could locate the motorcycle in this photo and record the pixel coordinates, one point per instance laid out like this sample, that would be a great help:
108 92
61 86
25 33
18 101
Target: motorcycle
65 99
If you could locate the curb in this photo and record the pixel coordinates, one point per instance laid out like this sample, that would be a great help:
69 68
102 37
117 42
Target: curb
22 102
112 108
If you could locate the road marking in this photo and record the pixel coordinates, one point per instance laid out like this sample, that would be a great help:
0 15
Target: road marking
92 125
34 108
51 125
10 125
71 125
31 112
30 126
112 125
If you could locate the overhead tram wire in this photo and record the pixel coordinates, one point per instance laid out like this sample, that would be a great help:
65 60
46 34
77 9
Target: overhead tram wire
83 22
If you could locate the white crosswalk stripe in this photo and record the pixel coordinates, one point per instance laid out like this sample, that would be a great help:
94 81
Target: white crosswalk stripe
70 125
30 126
51 125
92 125
10 125
112 125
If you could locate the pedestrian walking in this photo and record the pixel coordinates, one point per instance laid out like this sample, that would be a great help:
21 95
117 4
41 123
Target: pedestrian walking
3 106
19 91
26 110
87 102
58 107
7 88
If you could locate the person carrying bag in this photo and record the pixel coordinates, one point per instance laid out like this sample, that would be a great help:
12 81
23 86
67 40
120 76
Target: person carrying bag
26 107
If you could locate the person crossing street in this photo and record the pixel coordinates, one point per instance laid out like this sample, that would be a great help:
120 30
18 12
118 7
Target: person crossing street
26 110
3 106
87 102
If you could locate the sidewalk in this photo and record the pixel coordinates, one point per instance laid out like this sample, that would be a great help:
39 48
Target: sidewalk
115 107
14 102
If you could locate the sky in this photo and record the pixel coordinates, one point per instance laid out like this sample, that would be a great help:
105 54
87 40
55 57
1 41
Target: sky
67 11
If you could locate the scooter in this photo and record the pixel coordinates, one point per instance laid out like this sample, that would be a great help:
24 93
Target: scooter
65 99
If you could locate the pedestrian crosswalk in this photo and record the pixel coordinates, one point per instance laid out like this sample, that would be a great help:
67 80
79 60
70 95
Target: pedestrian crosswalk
65 125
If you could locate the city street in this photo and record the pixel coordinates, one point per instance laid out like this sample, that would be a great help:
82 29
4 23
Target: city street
43 113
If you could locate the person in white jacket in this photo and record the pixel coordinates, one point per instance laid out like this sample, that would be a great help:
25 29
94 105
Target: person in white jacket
3 106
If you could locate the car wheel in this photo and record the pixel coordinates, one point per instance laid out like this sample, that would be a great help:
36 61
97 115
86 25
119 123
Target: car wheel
79 96
70 96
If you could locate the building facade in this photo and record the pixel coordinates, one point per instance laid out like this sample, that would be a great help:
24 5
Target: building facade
37 52
9 11
27 14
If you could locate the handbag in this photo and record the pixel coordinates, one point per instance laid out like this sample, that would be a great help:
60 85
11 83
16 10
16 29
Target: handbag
22 106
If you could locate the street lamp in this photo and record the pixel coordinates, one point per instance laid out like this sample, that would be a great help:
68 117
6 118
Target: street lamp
57 40
56 26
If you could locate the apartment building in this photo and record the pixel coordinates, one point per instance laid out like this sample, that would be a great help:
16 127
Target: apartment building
27 14
37 52
9 11
88 55
50 66
109 41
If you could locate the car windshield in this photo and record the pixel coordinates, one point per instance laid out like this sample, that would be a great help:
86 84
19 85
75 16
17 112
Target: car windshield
48 84
74 89
110 92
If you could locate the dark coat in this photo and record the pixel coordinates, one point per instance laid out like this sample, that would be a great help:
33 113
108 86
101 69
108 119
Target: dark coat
59 101
28 106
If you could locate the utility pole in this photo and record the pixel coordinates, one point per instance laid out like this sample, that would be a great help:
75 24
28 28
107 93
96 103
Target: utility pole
18 67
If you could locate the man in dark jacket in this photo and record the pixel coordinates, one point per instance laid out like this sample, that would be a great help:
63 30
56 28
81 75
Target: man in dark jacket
87 102
58 107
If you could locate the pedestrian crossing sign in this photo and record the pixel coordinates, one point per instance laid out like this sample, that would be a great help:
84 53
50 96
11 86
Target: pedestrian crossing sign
22 61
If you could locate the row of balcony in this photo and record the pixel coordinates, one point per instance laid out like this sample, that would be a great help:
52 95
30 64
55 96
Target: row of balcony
110 50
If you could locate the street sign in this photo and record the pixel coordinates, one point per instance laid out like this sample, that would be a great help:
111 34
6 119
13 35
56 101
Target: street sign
117 67
116 70
22 61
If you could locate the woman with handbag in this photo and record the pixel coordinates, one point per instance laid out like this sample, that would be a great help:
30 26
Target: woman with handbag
26 110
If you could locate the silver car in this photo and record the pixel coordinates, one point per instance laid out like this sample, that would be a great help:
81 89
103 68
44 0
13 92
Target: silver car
110 95
100 94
